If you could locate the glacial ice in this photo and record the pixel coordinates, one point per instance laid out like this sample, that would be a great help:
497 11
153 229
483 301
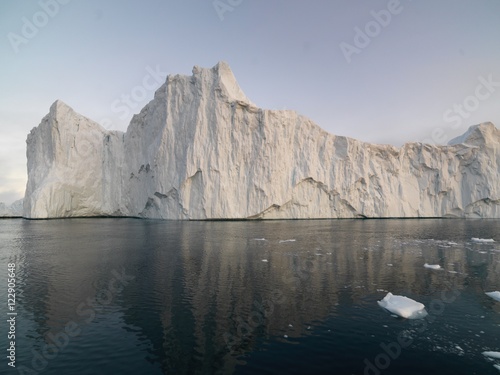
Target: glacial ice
494 295
495 355
202 150
482 240
13 210
403 306
432 266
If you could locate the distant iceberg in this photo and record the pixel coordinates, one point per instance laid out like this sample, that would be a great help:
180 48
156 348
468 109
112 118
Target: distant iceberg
403 306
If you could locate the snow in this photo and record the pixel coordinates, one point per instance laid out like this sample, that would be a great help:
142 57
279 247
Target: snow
432 266
483 240
403 306
494 295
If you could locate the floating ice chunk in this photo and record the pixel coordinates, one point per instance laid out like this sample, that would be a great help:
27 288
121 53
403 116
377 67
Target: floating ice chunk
403 306
259 239
285 336
265 260
291 240
497 367
495 355
452 243
494 295
432 266
485 240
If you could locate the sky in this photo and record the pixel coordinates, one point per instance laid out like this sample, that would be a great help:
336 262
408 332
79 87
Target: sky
382 71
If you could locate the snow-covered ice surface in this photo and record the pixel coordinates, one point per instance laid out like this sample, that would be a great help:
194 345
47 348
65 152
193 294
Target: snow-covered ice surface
403 306
494 295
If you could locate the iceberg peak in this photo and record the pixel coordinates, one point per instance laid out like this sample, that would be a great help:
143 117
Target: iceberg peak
201 150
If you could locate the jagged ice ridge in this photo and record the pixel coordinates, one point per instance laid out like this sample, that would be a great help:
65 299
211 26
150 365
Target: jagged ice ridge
202 150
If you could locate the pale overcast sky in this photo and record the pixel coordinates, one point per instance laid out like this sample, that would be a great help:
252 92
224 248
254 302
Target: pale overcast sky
380 71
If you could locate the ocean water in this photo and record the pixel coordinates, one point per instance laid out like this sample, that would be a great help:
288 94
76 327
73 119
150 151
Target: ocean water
126 296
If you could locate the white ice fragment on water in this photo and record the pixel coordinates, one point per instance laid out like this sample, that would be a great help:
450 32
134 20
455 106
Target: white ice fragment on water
452 243
290 240
265 260
285 336
290 325
389 264
403 306
497 367
452 271
494 295
259 239
495 355
432 266
484 240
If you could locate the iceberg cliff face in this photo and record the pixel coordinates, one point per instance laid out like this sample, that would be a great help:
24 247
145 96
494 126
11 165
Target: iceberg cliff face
201 150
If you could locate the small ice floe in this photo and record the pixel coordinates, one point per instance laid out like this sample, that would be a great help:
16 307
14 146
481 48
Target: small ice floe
290 240
403 306
389 264
494 295
290 325
285 336
308 327
259 239
452 271
265 260
483 240
495 355
432 266
451 243
497 367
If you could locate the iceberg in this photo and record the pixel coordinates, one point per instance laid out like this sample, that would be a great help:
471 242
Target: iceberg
403 306
495 355
483 240
201 150
432 266
494 295
13 210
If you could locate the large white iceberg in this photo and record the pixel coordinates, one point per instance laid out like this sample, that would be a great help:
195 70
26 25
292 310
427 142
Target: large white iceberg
403 306
202 150
494 295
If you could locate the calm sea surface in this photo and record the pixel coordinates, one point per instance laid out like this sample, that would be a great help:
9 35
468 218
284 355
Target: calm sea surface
125 296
